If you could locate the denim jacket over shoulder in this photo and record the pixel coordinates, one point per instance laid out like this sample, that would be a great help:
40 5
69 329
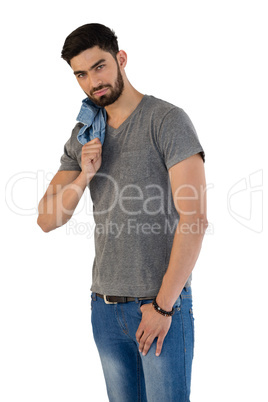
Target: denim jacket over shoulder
94 119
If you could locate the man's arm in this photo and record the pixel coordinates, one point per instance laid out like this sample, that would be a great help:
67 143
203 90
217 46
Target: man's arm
67 187
60 200
189 194
188 186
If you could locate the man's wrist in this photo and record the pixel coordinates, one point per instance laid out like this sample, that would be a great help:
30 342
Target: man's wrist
166 313
164 303
83 179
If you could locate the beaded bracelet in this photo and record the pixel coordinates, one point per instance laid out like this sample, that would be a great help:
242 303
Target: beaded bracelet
163 312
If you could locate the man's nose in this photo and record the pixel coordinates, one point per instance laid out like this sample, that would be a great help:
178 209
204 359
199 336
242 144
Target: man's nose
95 82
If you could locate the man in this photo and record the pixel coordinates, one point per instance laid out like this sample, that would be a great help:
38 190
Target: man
143 163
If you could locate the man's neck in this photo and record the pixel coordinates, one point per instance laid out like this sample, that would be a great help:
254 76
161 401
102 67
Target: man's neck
120 110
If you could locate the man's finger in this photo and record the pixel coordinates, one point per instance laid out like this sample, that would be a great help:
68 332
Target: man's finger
95 140
139 333
159 345
147 344
142 342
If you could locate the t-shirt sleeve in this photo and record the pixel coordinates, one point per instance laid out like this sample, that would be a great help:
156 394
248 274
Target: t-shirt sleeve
71 153
177 138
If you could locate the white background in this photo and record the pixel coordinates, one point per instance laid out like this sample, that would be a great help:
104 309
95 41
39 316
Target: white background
208 57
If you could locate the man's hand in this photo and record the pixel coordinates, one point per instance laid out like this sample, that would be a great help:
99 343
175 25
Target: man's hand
91 157
152 325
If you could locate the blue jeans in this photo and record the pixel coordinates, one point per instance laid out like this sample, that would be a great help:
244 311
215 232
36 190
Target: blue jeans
132 377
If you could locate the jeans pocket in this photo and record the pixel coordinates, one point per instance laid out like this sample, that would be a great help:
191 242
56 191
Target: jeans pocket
186 293
177 304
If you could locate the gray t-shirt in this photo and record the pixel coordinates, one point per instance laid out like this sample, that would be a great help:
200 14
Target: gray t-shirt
134 213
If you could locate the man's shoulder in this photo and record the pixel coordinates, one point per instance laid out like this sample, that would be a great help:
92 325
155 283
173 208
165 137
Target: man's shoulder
160 106
73 141
77 128
159 109
75 132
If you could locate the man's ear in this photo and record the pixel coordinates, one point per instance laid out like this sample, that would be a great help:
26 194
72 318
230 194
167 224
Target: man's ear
122 58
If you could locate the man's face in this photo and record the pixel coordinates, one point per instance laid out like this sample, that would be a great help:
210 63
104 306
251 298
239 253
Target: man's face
99 75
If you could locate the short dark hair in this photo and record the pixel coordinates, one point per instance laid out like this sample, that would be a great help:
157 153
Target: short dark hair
88 36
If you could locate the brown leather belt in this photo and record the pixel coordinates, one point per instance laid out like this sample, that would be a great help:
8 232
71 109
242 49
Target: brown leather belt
121 299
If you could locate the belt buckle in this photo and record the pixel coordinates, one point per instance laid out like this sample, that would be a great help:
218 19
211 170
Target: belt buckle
106 301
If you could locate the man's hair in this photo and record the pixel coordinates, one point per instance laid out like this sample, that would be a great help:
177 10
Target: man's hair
88 36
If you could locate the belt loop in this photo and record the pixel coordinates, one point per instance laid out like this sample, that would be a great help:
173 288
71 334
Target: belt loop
93 296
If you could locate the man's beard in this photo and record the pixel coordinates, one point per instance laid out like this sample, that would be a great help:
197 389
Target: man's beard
115 92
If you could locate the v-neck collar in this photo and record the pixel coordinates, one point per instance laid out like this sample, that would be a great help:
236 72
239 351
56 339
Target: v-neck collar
125 122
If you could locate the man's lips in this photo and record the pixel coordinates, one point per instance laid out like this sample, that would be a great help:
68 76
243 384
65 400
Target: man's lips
101 92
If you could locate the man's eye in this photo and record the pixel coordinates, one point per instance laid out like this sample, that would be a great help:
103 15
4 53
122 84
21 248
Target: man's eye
80 75
100 67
